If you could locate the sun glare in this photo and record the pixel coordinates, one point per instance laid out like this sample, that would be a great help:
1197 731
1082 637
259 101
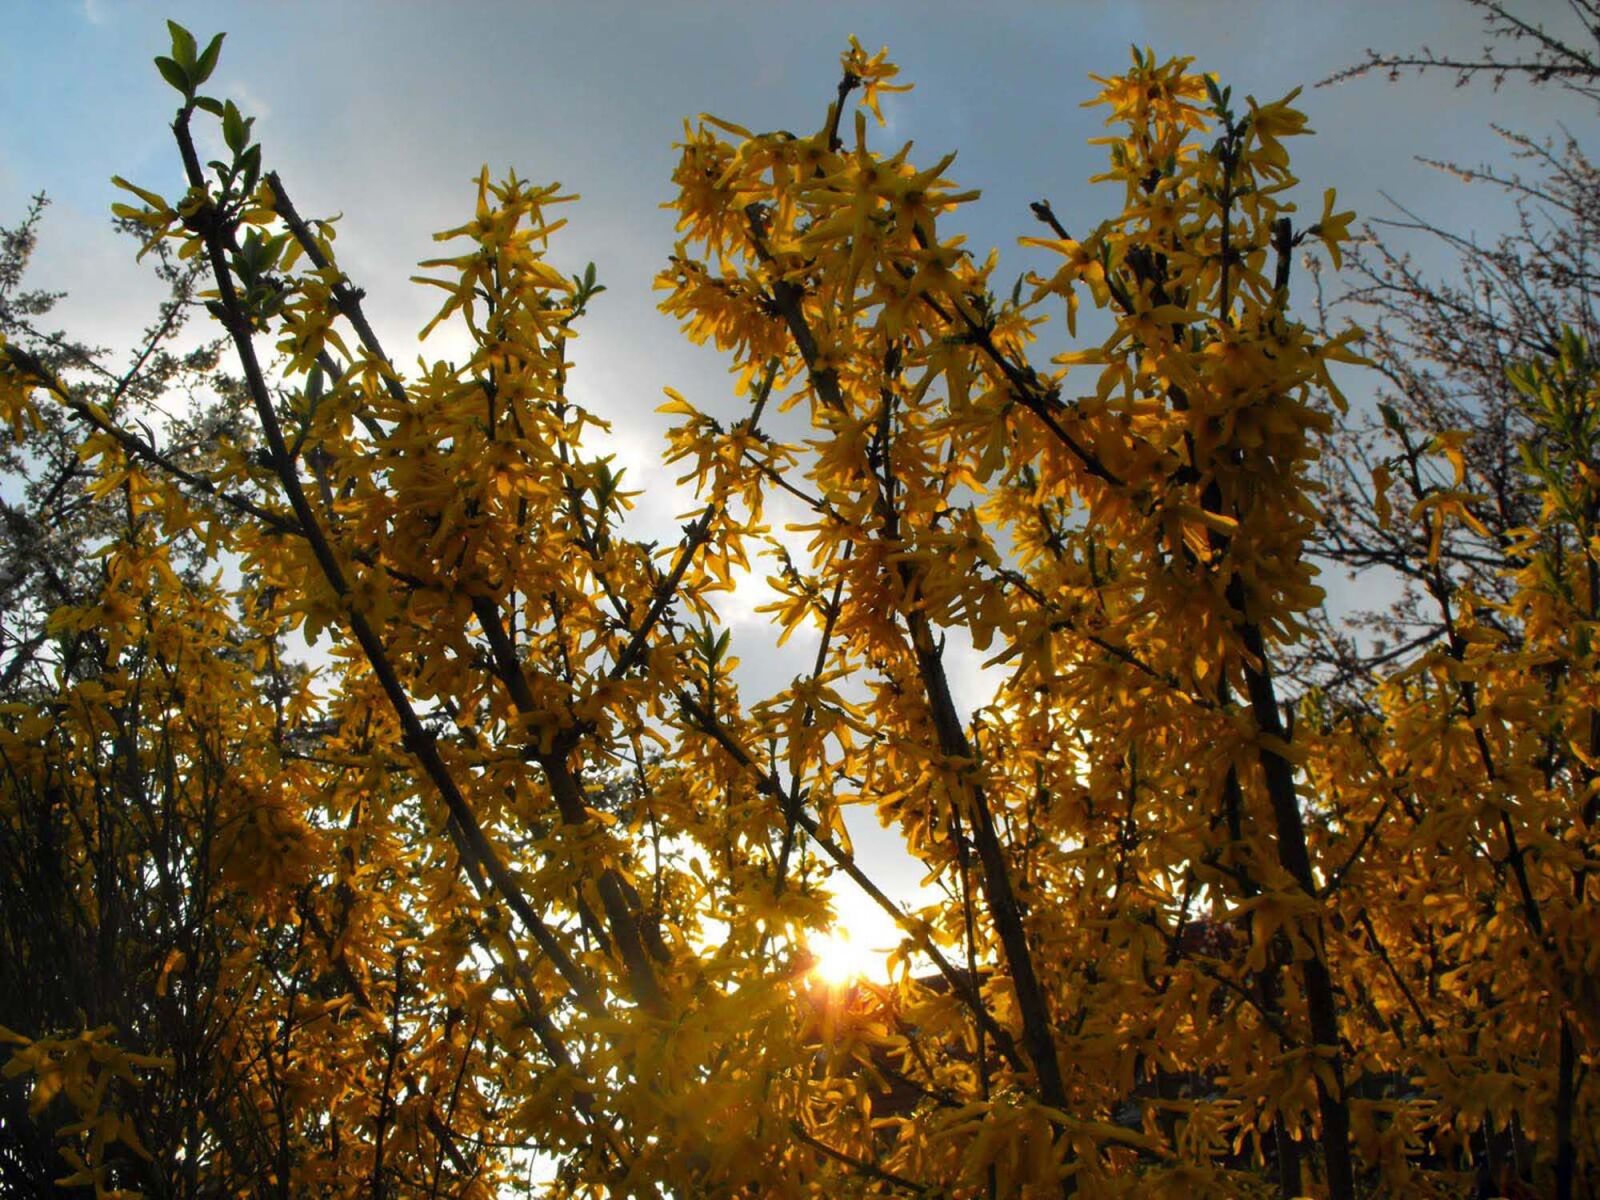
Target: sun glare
839 958
858 944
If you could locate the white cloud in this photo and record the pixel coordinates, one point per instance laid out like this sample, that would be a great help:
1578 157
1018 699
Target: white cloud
250 101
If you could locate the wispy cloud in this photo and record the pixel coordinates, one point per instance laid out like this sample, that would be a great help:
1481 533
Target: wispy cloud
249 100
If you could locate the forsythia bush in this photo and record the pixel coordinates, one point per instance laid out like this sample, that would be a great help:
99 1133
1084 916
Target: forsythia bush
518 871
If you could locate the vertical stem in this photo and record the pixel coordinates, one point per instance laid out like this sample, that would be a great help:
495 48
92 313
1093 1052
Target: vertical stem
1000 895
1566 1070
964 866
1286 1148
1567 1055
1295 858
1293 853
386 1098
416 739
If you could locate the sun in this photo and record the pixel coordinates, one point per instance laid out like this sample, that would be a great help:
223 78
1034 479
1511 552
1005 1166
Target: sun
856 945
838 958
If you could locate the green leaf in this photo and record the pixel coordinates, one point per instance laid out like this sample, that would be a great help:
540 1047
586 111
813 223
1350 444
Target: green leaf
208 59
175 75
1391 419
183 45
250 160
234 130
209 104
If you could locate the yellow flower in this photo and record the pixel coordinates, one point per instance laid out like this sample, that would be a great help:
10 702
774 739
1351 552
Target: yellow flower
1270 123
872 72
1333 227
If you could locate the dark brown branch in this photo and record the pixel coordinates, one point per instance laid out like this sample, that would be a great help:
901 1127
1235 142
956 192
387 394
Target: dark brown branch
769 785
416 737
621 914
346 297
143 450
862 1166
998 890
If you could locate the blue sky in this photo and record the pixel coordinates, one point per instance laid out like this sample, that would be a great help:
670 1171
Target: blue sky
385 112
